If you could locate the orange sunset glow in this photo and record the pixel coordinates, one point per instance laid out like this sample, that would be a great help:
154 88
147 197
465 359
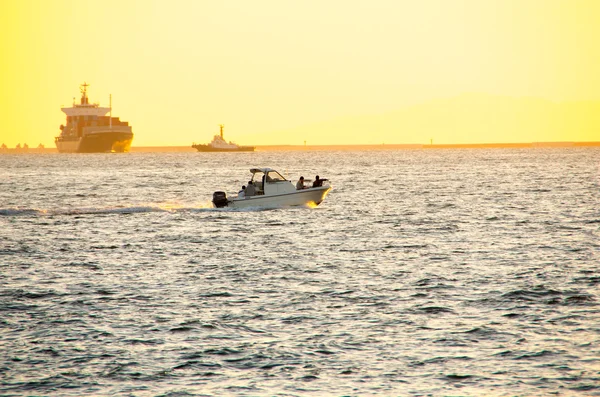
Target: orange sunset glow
326 72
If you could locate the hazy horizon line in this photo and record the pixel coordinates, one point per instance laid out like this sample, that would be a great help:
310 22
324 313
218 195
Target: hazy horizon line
381 146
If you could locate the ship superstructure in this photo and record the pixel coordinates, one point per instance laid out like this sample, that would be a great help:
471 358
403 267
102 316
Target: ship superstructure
90 130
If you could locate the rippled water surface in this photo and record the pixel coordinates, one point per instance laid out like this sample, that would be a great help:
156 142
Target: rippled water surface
424 272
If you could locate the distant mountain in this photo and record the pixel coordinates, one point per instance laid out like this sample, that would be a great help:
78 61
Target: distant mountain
468 118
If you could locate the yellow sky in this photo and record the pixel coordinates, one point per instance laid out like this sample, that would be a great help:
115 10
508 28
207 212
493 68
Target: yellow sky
267 69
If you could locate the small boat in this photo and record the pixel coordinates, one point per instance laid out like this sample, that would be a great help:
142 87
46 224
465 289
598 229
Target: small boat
269 189
219 144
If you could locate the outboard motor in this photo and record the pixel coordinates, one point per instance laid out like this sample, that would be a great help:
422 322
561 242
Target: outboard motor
219 199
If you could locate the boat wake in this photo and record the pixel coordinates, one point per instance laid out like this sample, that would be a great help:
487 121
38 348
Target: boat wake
128 210
124 210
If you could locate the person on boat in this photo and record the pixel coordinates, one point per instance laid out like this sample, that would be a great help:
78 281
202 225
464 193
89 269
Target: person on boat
265 180
242 193
251 189
300 183
318 182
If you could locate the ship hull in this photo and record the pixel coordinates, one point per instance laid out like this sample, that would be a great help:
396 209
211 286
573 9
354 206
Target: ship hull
207 148
97 142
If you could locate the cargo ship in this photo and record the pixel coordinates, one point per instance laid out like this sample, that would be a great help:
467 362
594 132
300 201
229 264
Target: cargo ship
90 130
219 144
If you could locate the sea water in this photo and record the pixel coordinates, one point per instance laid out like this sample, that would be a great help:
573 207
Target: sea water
424 272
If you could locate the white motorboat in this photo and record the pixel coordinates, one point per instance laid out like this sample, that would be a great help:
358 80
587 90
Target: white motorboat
269 189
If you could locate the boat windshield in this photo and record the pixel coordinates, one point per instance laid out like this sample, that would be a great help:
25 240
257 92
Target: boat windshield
258 177
274 176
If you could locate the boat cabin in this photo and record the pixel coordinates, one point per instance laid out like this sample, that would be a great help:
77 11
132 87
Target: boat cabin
268 181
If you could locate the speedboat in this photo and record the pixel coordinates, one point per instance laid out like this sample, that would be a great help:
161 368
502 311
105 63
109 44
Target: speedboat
269 189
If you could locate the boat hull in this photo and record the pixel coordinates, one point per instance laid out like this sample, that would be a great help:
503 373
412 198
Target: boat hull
208 148
97 142
306 197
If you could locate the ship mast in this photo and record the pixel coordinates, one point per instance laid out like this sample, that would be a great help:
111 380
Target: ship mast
110 111
83 89
221 127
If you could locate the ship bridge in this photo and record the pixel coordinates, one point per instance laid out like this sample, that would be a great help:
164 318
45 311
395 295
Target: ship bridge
89 110
85 108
